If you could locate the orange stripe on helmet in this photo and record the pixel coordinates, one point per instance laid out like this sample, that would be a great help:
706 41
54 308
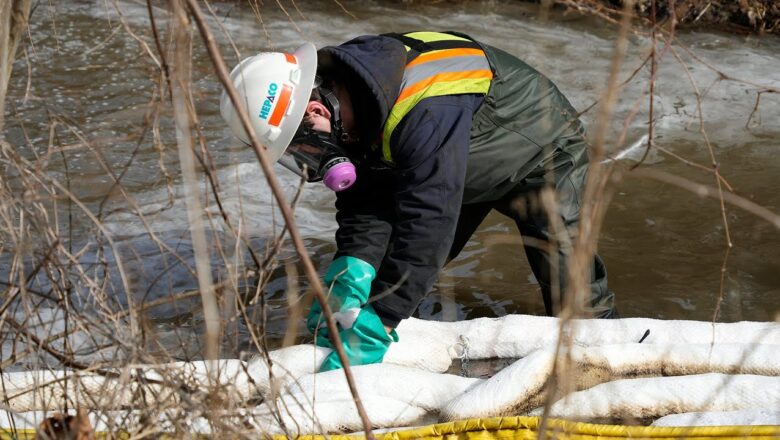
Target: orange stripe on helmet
445 53
443 77
291 58
281 106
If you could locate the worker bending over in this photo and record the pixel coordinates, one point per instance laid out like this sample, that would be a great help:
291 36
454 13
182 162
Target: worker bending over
421 135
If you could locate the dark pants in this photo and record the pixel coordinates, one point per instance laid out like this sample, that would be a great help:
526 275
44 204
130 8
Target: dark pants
566 172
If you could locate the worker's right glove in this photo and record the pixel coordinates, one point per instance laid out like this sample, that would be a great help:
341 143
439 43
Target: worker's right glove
347 284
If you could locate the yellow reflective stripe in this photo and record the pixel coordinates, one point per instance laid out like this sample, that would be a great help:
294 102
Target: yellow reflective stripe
477 81
444 53
427 37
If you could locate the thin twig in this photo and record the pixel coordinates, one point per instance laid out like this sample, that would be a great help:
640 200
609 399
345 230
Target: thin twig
164 63
708 191
261 155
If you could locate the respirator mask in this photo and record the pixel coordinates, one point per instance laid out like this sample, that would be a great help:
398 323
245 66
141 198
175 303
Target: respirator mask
316 155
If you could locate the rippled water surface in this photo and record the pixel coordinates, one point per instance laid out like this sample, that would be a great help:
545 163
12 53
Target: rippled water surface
664 246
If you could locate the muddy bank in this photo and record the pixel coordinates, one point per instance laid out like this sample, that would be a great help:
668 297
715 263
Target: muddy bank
738 16
745 16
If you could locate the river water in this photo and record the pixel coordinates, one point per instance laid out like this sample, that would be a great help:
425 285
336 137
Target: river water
664 246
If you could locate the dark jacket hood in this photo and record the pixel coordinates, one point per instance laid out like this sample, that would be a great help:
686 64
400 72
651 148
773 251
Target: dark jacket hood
377 64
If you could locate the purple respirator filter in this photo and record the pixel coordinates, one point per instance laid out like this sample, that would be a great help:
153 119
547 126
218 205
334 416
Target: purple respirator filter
339 174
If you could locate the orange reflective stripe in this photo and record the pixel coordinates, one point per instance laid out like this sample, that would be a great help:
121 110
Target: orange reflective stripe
443 77
281 106
445 53
290 58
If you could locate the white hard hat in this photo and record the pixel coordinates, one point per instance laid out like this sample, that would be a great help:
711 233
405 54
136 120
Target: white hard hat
275 88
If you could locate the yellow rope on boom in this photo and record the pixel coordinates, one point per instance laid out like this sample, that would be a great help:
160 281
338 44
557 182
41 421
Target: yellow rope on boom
520 428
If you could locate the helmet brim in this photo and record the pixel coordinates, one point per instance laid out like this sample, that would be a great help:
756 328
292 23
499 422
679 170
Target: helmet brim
306 55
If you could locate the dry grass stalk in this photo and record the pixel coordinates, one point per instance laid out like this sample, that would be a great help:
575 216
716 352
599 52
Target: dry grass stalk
311 273
13 22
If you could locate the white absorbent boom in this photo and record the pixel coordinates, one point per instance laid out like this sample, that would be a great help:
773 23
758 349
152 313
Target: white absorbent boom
603 372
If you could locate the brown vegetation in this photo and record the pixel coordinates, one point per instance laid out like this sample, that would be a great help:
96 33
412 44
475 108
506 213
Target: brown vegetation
759 16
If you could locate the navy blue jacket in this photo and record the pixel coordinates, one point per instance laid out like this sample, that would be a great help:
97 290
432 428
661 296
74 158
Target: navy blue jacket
448 150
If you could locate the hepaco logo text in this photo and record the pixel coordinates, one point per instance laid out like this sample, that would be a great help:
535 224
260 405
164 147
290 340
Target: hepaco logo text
268 103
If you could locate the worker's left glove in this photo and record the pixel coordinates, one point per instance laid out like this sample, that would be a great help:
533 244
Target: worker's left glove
365 341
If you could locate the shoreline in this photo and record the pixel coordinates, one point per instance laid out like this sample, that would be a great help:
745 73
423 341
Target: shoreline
758 17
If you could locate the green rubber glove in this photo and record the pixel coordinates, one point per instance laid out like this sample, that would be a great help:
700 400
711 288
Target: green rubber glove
365 342
347 285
